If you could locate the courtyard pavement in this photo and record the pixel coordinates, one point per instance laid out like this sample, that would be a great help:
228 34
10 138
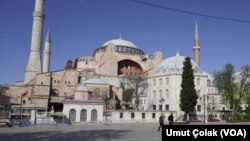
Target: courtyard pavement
86 132
83 132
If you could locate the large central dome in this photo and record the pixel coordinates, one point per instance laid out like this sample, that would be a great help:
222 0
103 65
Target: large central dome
175 65
120 42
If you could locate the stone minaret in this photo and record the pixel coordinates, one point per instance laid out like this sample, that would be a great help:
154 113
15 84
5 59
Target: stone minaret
46 54
34 64
196 46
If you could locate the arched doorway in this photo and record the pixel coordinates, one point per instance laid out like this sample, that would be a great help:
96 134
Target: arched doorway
94 115
83 115
72 115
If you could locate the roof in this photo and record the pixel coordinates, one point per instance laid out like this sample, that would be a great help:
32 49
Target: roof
174 64
29 106
95 81
82 89
120 42
83 102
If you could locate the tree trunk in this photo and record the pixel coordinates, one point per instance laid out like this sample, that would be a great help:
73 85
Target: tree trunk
136 98
137 102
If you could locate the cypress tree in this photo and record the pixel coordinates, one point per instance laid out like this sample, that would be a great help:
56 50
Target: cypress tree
188 95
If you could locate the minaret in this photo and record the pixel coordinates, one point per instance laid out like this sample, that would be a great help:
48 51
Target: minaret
196 46
34 62
46 53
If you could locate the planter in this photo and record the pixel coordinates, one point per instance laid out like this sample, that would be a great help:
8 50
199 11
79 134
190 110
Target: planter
238 120
195 121
214 121
181 122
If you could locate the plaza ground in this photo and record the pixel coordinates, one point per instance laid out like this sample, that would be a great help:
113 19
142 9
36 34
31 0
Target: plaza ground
87 132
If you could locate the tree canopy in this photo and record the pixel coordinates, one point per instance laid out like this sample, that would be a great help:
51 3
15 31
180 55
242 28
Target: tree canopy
233 87
128 95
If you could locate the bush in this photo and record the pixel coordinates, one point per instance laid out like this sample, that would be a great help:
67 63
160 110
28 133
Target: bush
240 117
235 117
246 116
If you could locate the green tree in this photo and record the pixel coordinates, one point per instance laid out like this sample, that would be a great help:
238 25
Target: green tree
188 95
128 95
234 87
224 81
243 86
138 84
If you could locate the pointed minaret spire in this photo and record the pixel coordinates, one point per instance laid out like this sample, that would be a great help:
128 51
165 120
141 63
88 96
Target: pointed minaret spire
46 54
196 35
48 37
196 46
34 63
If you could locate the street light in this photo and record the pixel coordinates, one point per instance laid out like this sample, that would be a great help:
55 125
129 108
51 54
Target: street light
161 101
205 103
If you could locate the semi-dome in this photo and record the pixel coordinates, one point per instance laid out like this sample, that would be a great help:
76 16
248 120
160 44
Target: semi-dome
175 65
120 42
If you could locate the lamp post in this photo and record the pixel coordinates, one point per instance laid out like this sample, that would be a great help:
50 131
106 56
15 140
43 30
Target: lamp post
205 103
161 101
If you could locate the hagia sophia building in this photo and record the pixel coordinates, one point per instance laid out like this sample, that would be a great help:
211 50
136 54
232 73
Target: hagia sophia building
79 89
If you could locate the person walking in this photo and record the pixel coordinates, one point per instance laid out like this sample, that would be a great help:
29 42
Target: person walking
161 122
171 119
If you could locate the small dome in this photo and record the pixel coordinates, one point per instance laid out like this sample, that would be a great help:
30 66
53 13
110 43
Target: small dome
95 81
174 65
82 89
120 42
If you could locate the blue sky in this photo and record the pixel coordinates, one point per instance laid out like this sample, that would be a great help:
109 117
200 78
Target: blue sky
79 26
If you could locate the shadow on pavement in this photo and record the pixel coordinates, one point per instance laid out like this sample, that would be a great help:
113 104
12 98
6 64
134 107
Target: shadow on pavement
84 135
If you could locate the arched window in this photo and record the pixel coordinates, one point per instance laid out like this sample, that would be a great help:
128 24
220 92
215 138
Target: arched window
54 92
94 115
83 115
154 81
198 108
198 93
208 82
198 81
167 81
120 48
72 115
166 107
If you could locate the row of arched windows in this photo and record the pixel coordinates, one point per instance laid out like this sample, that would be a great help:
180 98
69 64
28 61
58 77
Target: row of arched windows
128 50
83 115
161 81
198 82
161 93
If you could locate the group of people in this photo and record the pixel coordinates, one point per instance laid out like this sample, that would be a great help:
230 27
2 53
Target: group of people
161 120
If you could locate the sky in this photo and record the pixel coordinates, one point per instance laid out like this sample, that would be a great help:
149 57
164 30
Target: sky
78 27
